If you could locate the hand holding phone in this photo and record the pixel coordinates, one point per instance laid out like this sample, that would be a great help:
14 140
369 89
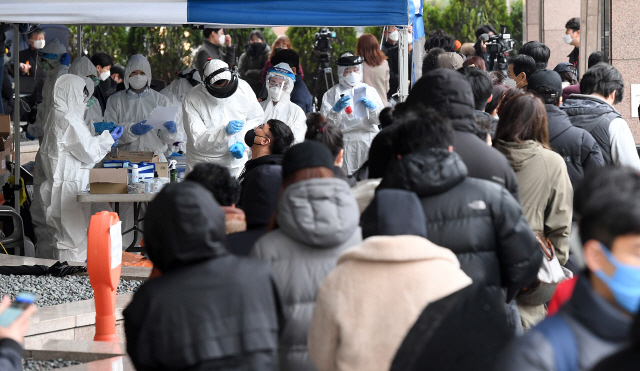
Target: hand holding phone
15 316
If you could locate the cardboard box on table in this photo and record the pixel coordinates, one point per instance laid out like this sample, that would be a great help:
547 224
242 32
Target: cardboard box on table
139 156
104 181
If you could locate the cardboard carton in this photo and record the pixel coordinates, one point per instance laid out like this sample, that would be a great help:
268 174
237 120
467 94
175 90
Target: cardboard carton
133 156
5 157
5 126
162 168
103 181
7 145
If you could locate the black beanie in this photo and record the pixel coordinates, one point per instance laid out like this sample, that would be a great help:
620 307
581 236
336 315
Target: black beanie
305 155
380 217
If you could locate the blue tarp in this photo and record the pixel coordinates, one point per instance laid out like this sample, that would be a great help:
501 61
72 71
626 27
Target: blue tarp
331 13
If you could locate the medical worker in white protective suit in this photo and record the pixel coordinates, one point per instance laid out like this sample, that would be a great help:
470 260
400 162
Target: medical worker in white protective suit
176 91
93 114
69 151
358 132
131 107
280 80
55 60
216 116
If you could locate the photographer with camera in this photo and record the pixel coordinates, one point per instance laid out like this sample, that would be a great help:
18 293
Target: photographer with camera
493 47
481 41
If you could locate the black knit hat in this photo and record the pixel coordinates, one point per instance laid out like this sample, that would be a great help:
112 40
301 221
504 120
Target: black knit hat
305 155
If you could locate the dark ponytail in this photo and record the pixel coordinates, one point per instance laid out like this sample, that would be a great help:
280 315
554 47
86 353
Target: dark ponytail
320 130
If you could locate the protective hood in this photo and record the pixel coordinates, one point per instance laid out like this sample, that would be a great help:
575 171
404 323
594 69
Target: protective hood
68 95
428 172
216 70
449 93
83 67
137 62
345 61
184 225
214 65
190 74
278 72
52 52
380 218
518 153
318 212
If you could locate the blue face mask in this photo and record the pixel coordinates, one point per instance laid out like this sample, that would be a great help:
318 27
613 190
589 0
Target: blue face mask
624 284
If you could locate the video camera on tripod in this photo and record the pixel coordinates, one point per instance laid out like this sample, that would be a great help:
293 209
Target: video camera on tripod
498 46
322 49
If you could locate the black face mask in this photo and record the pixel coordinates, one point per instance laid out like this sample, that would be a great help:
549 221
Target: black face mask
250 138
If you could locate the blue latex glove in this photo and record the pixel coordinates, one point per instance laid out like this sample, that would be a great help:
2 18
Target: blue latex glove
140 128
171 126
115 144
117 133
237 150
102 126
342 103
65 59
234 126
368 103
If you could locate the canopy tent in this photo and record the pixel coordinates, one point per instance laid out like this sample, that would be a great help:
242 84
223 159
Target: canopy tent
223 13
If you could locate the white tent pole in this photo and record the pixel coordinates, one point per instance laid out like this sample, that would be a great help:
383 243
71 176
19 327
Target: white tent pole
403 60
79 39
16 115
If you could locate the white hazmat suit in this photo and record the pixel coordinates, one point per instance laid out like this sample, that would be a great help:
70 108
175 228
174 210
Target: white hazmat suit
358 132
84 68
127 108
206 118
52 48
69 151
53 51
280 80
176 91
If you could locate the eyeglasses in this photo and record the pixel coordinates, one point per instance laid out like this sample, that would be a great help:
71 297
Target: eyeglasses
264 131
277 82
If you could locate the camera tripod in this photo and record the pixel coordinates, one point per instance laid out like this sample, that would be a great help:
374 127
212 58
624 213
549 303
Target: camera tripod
323 69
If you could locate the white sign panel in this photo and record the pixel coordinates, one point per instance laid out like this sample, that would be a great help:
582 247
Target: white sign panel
116 244
635 99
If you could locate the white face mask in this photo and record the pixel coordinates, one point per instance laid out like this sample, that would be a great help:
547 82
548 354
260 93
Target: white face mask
138 81
394 36
221 39
38 44
567 38
277 93
353 79
104 75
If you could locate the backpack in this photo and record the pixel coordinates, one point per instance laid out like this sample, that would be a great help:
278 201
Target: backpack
559 334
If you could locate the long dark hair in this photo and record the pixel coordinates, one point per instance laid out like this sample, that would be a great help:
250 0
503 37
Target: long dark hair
319 129
523 118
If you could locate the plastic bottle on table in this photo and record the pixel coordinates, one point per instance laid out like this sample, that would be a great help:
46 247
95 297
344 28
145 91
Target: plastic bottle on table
156 183
135 178
173 172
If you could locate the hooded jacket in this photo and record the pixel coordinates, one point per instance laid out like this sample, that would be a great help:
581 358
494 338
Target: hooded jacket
318 220
576 146
210 50
209 310
84 68
545 190
478 220
373 297
449 93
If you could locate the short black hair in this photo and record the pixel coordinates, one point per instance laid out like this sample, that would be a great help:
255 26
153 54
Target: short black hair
607 204
573 24
440 39
36 31
208 31
117 70
217 179
101 59
485 28
430 61
481 85
282 136
418 128
288 56
538 51
603 79
524 63
595 58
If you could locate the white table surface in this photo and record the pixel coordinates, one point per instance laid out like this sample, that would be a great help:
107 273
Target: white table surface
115 197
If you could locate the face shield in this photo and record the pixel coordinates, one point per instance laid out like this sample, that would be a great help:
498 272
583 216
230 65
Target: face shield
280 81
350 70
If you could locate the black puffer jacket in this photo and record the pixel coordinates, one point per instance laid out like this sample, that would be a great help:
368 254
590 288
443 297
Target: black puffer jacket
478 220
576 146
209 310
449 93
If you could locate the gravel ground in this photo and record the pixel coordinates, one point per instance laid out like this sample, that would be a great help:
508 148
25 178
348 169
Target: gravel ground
30 364
55 290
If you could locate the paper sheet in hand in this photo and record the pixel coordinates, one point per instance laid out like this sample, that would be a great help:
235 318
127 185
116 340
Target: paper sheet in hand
359 109
160 115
